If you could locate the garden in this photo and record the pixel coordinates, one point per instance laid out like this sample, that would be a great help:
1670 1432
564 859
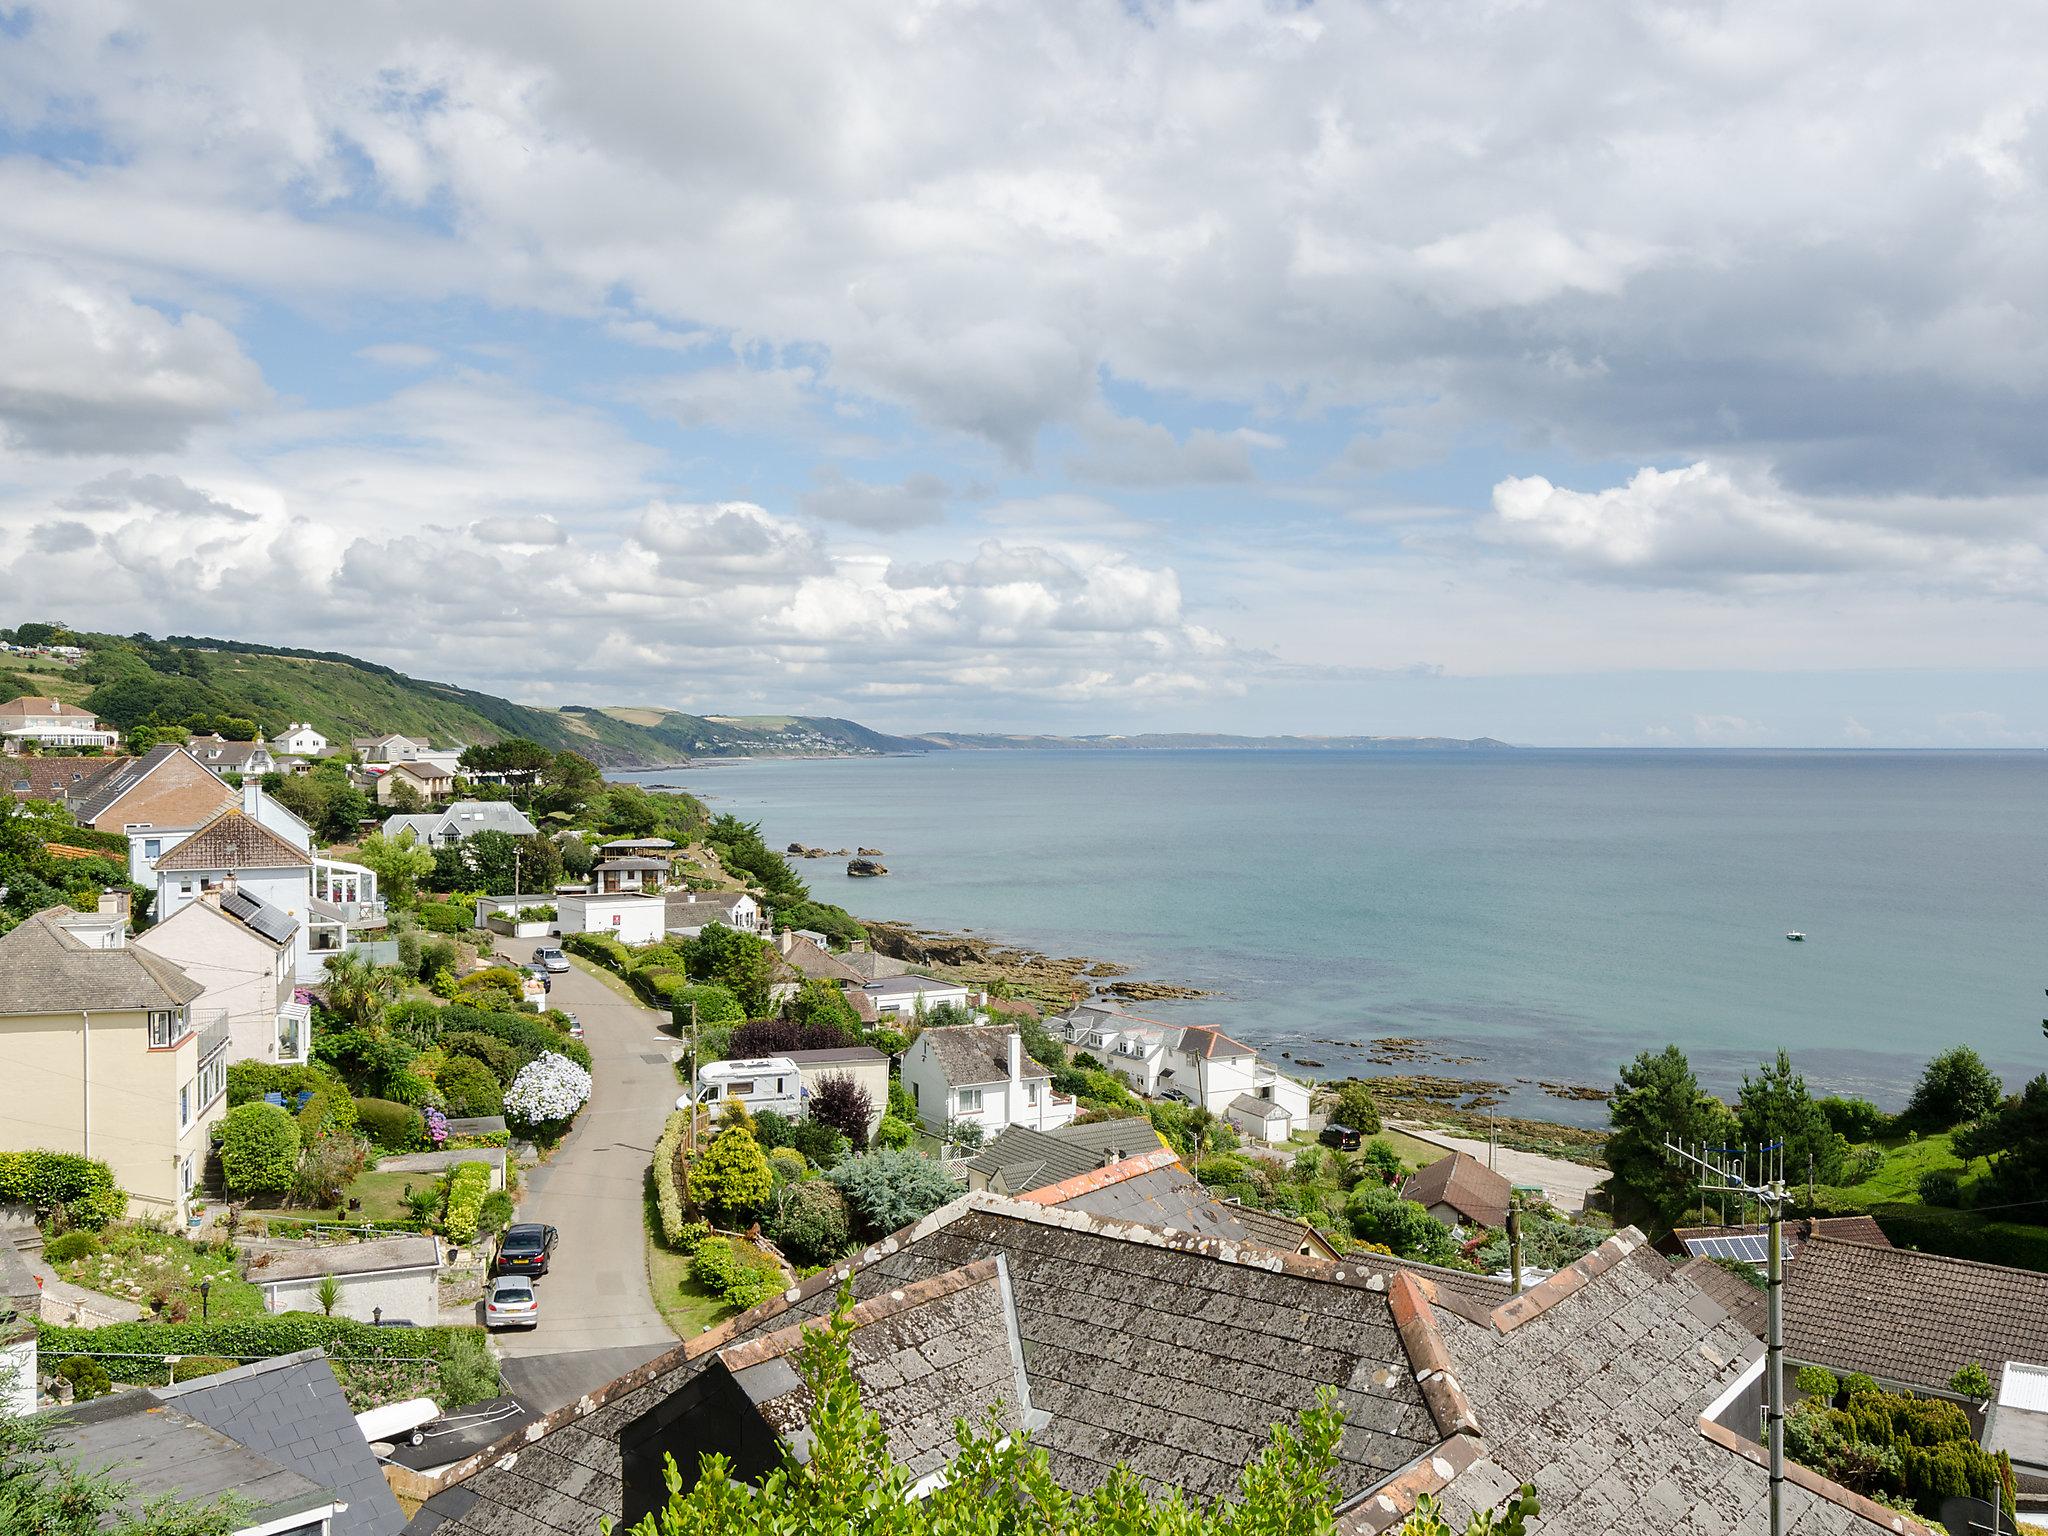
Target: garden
1907 1452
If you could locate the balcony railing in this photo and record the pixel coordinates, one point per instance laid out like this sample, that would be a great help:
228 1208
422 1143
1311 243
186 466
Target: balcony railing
214 1031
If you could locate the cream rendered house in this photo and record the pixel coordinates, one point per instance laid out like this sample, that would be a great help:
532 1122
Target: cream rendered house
246 953
104 1053
51 723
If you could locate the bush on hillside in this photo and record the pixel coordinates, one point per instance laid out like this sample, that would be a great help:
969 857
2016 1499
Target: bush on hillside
67 1246
250 1080
442 917
731 1180
469 1088
1379 1215
810 1222
259 1149
76 1191
502 1058
816 1140
468 1183
1955 1087
887 1191
1855 1119
330 1112
736 1271
546 1095
716 1007
600 947
391 1126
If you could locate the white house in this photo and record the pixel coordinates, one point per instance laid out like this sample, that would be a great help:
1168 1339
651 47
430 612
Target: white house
1215 1071
234 850
51 723
762 1082
904 997
691 912
222 757
628 917
388 749
1196 1061
301 740
979 1074
246 954
868 1067
460 819
1133 1048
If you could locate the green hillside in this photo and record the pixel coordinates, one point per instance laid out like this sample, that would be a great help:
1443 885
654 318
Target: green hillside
137 680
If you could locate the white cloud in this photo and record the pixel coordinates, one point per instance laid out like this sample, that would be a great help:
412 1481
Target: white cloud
84 368
919 500
537 529
123 489
735 399
399 354
1125 451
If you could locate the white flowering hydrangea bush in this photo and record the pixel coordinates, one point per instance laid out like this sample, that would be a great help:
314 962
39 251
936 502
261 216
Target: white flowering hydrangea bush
546 1094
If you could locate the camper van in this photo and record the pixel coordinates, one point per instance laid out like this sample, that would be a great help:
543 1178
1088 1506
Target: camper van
765 1082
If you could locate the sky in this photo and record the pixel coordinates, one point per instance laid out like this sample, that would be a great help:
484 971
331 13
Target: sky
1669 374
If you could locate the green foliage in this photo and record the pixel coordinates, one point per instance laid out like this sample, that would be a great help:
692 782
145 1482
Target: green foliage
1379 1215
1379 1159
1511 1519
1817 1381
1856 1384
77 1191
1546 1244
668 1177
1656 1099
1854 1119
250 1080
259 1149
1941 1186
330 1112
810 1222
1954 1087
2015 1137
328 1294
1183 1127
731 1180
818 1142
740 848
839 1101
70 1245
400 864
789 1166
441 917
736 1271
88 1378
1353 1104
469 1088
895 1133
1775 1106
391 1126
1973 1382
495 1214
192 1367
468 1183
1897 1447
601 947
500 1059
822 1003
887 1191
739 962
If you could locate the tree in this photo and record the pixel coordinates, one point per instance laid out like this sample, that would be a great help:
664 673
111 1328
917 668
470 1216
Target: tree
887 1191
732 1180
737 961
515 758
259 1149
841 1102
403 799
2015 1137
328 1294
1774 1106
1954 1088
342 817
494 861
1972 1381
358 989
810 1222
772 1037
820 1002
1379 1215
1657 1099
399 863
1353 1104
469 1088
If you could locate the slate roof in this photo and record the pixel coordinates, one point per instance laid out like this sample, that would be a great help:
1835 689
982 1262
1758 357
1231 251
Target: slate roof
1466 1185
1252 1104
157 1449
43 969
976 1053
1173 1354
1910 1317
1591 1386
462 817
1152 1189
636 842
837 1054
701 906
901 986
656 866
57 778
367 1258
231 755
234 840
291 1410
259 916
1021 1159
873 965
104 793
808 960
1283 1233
1744 1302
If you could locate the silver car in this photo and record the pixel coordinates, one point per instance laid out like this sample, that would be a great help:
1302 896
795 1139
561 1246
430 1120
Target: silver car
510 1303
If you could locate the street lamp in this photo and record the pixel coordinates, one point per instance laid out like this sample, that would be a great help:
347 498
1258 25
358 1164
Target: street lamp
376 1317
205 1293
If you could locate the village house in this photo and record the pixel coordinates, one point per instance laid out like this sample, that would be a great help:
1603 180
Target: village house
223 757
979 1075
628 872
427 780
908 997
629 917
868 1067
1196 1063
811 961
247 956
165 791
59 780
30 721
1461 1191
636 848
391 748
1609 1386
691 912
463 818
104 1054
300 740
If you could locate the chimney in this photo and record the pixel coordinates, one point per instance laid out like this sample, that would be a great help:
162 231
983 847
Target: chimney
252 797
1016 1059
785 940
114 904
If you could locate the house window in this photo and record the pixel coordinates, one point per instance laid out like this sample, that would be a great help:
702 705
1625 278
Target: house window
185 1106
163 1028
970 1101
185 1174
152 848
915 1096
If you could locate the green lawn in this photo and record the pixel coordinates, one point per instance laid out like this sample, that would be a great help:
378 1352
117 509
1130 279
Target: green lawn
143 1265
1897 1182
1412 1151
684 1305
1892 1195
383 1194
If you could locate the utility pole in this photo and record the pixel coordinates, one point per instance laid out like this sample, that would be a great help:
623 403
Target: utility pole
690 1052
1515 1244
1727 1169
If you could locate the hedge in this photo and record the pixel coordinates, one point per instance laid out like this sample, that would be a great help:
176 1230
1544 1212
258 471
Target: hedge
736 1270
442 917
467 1186
259 1149
357 1349
393 1127
471 1143
668 1190
83 1188
331 1111
601 947
250 1080
1964 1235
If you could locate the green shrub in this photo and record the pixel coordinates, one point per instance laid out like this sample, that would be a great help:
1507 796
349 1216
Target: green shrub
445 917
70 1245
467 1186
250 1080
731 1179
502 1058
715 1005
495 1214
895 1134
1942 1186
79 1189
668 1193
1856 1119
1965 1235
1856 1385
818 1142
788 1166
887 1191
470 1143
436 955
1379 1215
1973 1382
690 1235
391 1126
192 1367
600 947
811 1222
330 1112
1817 1381
259 1149
736 1270
88 1378
469 1088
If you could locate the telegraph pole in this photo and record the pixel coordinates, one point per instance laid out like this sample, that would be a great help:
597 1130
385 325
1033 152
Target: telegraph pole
690 1050
1726 1169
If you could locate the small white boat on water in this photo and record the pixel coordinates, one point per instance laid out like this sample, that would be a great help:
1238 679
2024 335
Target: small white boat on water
1796 936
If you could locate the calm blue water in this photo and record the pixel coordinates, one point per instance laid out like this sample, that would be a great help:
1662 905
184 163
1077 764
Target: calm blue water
1550 913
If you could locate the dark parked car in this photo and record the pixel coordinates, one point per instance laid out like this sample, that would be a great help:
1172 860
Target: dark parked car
524 1249
1342 1137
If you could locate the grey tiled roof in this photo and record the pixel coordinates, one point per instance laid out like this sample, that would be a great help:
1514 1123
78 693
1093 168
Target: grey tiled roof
373 1257
976 1053
1021 1159
1910 1317
291 1410
1850 1229
1282 1233
1597 1399
1167 1197
1744 1302
43 969
1463 1183
1175 1356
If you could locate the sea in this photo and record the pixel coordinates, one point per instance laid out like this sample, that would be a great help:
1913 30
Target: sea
1529 916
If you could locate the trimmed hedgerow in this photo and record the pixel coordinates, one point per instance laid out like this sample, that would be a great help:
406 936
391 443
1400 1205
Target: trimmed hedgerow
668 1179
81 1188
391 1126
467 1186
601 947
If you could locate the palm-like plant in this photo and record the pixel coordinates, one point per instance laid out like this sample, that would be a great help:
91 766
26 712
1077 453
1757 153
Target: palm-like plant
357 990
328 1294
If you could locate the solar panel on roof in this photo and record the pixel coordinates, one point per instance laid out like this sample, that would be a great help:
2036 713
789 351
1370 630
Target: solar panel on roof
1748 1247
259 915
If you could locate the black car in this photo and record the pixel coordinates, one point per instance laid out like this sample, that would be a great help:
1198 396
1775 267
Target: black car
1342 1137
524 1249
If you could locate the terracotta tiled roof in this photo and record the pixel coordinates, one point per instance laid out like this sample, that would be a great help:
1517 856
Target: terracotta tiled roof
234 840
1206 1041
54 778
1466 1185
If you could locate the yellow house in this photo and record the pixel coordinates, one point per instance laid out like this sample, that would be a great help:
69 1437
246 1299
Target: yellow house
102 1053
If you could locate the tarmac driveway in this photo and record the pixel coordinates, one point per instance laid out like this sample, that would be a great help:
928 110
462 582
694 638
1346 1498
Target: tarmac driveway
594 1297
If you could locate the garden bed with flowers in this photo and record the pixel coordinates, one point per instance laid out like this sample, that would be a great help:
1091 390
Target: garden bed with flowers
159 1271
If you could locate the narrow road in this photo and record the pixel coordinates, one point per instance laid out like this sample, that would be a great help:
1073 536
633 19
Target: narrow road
597 1319
1564 1184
